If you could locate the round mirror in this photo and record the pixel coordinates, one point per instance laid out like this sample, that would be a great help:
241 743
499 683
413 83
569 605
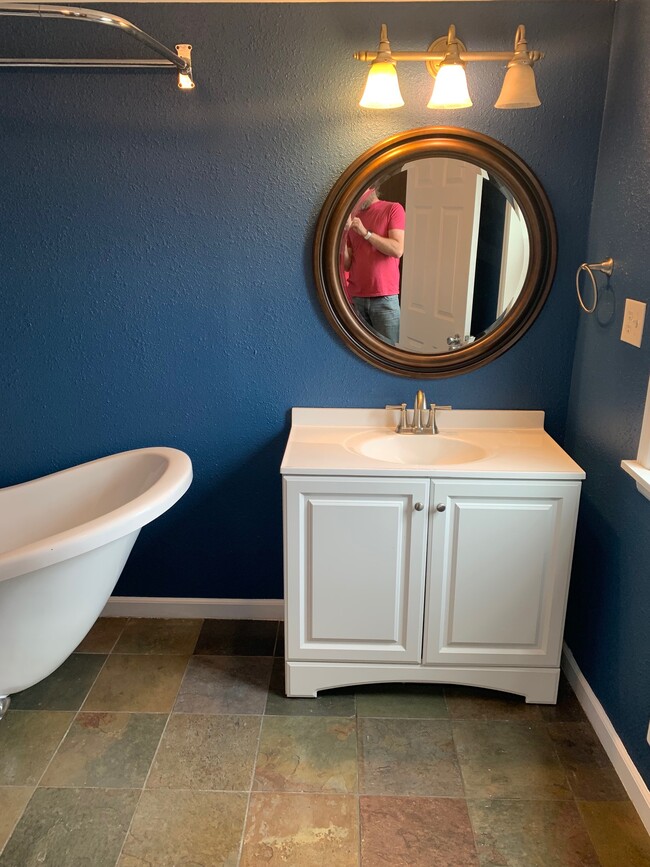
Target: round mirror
434 252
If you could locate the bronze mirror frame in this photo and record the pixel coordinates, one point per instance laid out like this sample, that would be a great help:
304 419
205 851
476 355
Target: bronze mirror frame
387 156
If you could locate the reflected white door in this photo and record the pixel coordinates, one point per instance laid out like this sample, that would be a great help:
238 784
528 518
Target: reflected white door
443 205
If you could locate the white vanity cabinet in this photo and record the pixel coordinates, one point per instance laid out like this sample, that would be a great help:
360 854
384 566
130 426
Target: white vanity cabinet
426 558
459 580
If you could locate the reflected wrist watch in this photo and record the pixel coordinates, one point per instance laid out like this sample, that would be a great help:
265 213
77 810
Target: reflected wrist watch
367 235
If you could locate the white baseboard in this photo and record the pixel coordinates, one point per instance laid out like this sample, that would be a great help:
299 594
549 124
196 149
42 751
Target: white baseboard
214 609
606 733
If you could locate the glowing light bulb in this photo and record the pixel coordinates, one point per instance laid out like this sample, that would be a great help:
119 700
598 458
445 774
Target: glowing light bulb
382 87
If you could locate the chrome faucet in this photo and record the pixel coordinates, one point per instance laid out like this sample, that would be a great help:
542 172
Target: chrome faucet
419 408
418 425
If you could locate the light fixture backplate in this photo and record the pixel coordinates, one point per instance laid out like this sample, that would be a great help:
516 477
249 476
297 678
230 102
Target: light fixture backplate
439 46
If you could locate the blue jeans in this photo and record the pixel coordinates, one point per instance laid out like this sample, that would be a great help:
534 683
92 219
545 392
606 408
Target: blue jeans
381 314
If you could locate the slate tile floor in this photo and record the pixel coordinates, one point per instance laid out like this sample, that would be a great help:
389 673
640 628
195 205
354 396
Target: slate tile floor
170 742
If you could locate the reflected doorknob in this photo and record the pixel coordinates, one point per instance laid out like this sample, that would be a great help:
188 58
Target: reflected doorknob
440 507
419 506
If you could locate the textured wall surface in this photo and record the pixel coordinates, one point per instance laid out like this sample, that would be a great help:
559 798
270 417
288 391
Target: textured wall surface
609 606
156 247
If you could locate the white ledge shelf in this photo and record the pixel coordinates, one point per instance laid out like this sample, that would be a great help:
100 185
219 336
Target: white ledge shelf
640 474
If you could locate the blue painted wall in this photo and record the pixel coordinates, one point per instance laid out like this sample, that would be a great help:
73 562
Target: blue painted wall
156 247
608 624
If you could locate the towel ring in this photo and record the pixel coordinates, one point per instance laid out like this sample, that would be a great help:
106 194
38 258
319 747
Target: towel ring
605 267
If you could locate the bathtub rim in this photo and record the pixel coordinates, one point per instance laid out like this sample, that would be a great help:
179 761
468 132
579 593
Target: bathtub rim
174 481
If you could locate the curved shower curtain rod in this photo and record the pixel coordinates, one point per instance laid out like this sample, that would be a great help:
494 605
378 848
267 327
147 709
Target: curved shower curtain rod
182 60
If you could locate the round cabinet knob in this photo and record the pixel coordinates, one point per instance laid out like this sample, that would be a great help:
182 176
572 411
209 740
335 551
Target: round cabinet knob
419 507
440 507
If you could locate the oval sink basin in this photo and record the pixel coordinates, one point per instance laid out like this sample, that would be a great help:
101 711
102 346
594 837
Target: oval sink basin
414 450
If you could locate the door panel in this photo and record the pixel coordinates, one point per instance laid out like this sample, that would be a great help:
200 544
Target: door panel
355 560
499 562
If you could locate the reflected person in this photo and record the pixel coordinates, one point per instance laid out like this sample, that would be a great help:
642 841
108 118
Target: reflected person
373 247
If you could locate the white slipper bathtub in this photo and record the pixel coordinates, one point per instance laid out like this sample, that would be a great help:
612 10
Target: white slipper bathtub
64 540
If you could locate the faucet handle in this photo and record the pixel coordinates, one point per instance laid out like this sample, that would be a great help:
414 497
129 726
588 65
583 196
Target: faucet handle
432 416
402 425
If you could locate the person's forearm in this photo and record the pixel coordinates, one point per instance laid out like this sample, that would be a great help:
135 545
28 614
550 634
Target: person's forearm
393 245
387 246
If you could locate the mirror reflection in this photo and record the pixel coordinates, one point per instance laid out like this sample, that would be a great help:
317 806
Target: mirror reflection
434 255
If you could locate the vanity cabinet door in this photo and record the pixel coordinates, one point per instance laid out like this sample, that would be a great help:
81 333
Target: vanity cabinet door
499 564
355 554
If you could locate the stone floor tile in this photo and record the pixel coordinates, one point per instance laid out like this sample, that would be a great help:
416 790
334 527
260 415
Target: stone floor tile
159 635
301 830
201 829
103 635
466 702
64 689
541 790
307 754
509 760
137 684
106 750
225 684
416 832
28 740
66 827
617 833
13 800
588 768
206 752
531 834
414 701
237 638
408 757
567 708
330 702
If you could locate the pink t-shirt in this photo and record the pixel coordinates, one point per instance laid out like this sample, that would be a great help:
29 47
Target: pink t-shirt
372 273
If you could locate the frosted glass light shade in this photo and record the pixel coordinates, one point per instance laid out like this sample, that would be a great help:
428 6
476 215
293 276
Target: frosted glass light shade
450 88
382 87
519 89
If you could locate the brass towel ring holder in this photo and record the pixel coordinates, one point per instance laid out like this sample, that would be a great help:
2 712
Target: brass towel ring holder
605 267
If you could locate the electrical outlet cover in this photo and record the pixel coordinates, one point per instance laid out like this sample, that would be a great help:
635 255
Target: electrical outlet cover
633 318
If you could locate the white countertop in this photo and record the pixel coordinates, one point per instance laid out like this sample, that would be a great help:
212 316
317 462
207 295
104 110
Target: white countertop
515 445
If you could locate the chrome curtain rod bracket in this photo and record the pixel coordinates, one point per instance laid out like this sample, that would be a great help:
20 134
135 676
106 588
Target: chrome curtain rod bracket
180 60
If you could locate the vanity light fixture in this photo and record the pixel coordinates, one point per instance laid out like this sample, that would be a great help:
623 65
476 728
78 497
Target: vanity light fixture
382 87
450 84
445 60
519 89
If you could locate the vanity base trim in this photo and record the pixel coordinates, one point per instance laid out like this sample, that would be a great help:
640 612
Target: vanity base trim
537 685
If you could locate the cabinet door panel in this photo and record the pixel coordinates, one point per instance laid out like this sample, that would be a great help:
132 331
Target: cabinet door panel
499 560
355 559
